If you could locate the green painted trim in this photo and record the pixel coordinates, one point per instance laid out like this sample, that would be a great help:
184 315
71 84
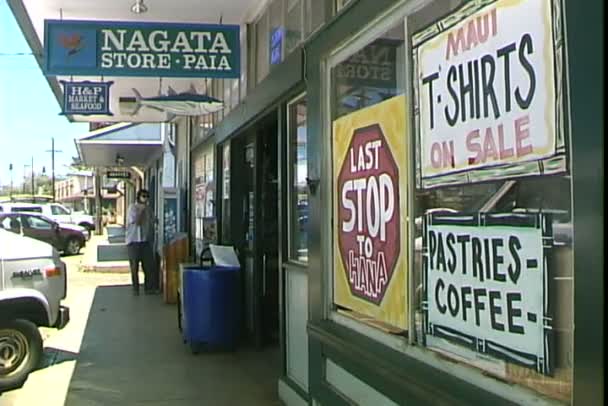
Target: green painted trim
282 187
329 396
27 28
394 374
263 98
295 387
584 25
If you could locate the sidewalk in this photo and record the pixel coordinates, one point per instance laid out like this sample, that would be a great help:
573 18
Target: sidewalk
132 354
120 349
89 261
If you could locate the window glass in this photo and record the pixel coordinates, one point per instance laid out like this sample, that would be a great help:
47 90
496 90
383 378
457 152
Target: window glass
35 209
370 170
58 210
226 98
262 56
315 15
224 150
293 25
370 75
37 223
299 191
11 224
493 275
275 39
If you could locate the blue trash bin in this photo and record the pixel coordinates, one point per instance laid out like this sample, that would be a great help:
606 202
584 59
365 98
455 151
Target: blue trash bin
211 307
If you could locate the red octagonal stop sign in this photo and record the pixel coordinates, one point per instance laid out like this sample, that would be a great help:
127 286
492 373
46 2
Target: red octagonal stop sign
368 214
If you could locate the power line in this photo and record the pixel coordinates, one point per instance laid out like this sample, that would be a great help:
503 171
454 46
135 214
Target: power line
18 54
52 151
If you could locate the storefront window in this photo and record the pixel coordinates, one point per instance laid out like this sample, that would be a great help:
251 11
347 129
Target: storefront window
464 110
294 24
262 58
493 271
298 210
224 149
314 15
204 198
370 172
371 75
281 27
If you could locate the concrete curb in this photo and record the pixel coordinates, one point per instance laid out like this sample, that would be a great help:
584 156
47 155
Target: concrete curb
110 268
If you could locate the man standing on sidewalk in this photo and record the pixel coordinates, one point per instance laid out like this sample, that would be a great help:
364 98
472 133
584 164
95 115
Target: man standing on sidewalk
139 238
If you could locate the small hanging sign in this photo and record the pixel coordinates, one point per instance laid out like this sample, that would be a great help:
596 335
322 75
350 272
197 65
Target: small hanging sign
118 174
86 98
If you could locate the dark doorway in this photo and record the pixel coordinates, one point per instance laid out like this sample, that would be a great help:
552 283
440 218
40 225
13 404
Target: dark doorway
254 227
269 232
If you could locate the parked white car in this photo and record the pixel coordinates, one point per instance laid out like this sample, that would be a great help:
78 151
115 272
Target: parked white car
55 211
33 282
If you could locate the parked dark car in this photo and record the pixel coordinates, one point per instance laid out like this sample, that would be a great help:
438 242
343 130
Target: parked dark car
64 237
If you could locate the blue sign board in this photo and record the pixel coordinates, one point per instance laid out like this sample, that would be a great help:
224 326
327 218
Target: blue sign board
276 45
86 98
110 48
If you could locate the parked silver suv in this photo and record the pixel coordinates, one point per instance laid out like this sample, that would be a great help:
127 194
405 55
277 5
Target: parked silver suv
33 282
55 211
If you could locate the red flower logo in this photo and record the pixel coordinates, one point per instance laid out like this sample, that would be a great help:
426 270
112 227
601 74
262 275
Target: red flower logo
72 42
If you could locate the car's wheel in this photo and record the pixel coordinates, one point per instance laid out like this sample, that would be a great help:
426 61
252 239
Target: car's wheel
20 352
72 246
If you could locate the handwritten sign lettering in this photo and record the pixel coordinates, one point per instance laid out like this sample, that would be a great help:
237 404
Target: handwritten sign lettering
486 284
486 89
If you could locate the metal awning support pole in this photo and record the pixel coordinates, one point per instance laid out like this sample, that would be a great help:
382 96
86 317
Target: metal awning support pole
98 213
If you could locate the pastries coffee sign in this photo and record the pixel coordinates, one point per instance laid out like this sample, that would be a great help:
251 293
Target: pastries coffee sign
370 168
486 94
486 285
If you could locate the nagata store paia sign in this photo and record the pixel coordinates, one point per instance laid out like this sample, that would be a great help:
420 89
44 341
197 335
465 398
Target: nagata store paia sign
110 48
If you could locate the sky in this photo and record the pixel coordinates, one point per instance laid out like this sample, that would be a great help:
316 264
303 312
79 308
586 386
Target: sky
29 112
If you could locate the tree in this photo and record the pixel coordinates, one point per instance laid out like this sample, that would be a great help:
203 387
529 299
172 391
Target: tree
44 185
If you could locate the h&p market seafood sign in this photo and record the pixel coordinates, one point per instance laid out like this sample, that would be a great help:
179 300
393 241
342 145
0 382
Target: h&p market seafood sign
487 102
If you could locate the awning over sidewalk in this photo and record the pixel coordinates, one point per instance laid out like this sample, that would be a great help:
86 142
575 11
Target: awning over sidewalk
121 145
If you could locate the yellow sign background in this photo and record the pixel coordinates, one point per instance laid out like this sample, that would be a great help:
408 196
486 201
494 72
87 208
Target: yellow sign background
390 116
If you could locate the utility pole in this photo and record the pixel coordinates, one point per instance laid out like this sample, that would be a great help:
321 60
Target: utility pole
25 166
52 151
10 192
33 199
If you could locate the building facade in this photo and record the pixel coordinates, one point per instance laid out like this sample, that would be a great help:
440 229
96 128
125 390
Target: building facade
414 189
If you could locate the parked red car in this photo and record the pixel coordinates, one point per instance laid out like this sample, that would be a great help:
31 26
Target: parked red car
64 237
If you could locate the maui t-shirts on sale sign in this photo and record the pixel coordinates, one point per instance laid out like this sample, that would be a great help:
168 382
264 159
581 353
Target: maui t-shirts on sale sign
488 93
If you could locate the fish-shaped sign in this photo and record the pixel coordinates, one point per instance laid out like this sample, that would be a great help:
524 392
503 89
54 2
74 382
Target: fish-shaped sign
188 103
